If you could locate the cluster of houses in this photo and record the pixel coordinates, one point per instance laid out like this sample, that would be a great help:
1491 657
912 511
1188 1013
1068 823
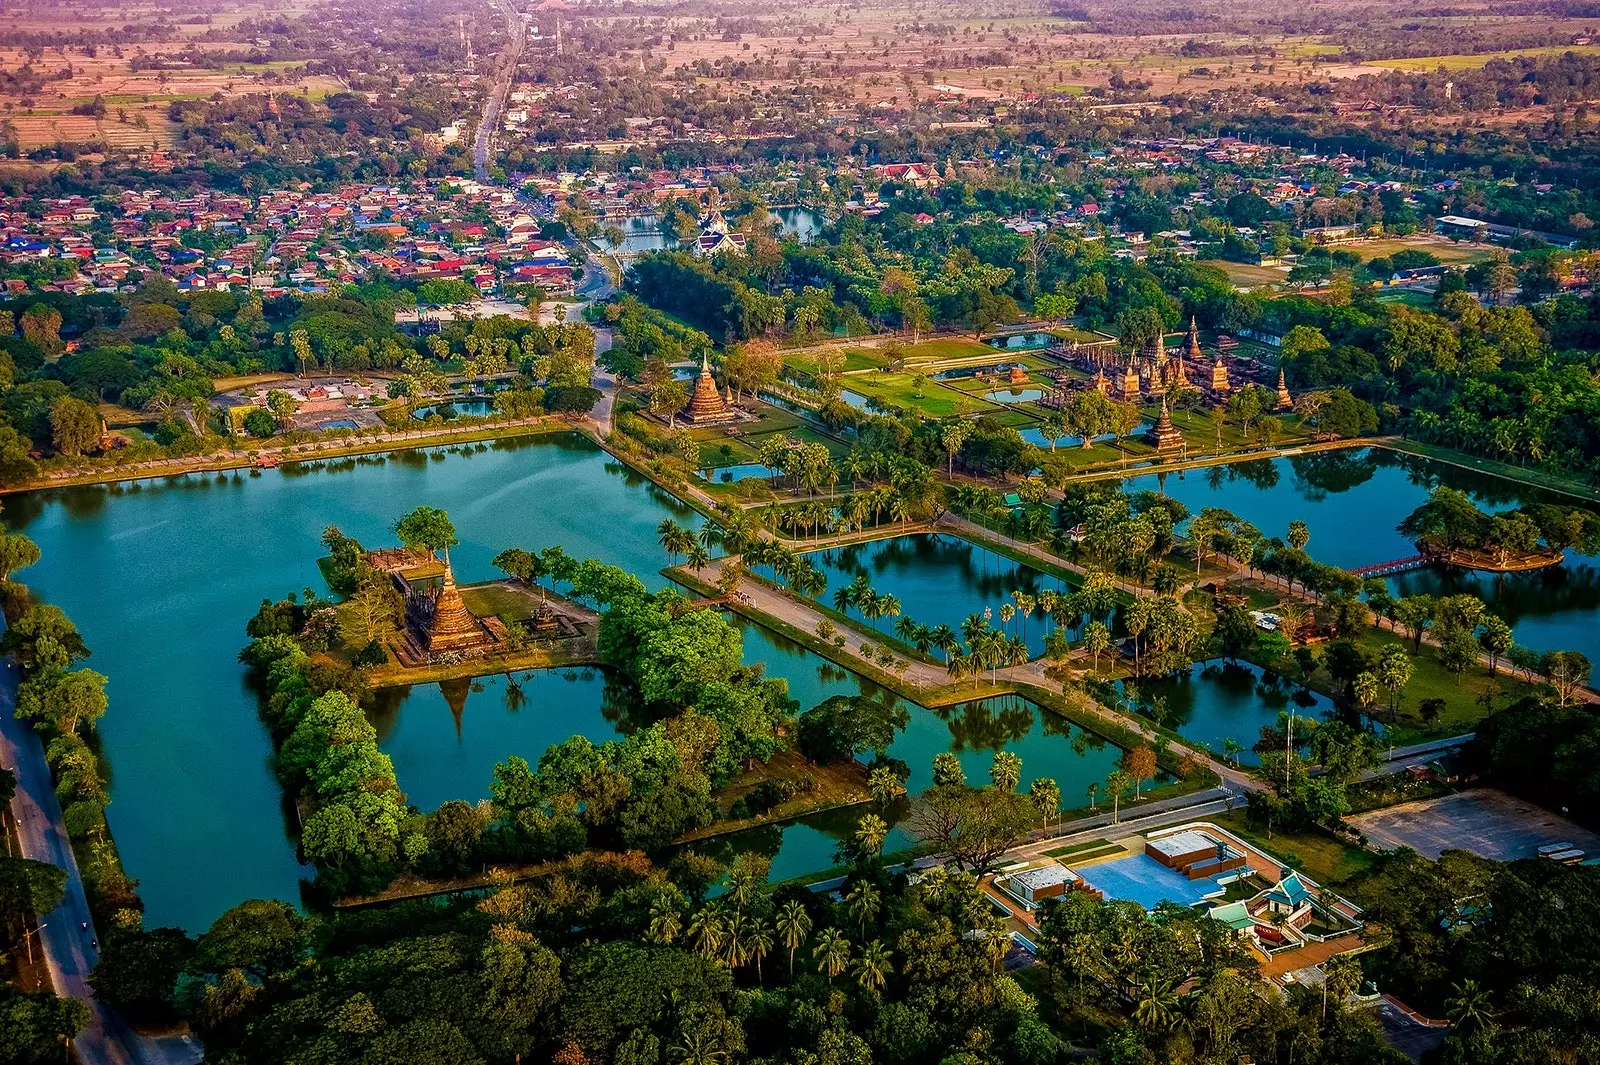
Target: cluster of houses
293 239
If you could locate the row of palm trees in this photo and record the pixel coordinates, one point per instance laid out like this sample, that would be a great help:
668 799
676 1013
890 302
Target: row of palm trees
726 931
859 595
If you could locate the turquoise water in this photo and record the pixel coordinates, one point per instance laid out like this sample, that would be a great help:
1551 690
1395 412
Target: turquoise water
161 576
1049 746
1353 499
463 408
939 580
1023 341
737 472
1216 701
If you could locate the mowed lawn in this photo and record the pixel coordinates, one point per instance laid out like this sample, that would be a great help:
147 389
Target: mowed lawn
1447 252
1248 275
902 390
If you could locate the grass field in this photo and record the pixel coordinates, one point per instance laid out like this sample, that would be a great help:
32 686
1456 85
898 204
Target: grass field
901 390
1248 275
1447 252
1321 857
1474 62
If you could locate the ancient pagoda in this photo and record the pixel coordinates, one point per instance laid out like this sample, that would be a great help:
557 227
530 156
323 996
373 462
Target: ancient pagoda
442 623
1164 436
1101 383
706 405
1219 377
1285 401
1130 382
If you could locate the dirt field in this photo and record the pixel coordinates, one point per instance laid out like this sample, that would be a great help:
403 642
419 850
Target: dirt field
1487 822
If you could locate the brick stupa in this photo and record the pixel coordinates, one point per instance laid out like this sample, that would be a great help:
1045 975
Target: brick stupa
1164 436
706 405
446 625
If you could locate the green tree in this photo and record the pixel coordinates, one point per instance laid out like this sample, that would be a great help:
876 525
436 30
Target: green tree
16 552
428 528
74 426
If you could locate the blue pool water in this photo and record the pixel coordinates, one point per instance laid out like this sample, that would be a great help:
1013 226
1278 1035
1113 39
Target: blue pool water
1140 878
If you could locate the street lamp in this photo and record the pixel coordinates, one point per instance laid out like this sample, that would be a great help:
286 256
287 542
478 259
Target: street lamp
27 939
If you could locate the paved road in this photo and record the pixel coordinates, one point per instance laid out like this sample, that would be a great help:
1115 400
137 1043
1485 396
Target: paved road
68 945
505 66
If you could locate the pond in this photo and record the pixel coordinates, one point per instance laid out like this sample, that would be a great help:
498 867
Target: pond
1014 395
939 580
1353 499
1033 435
855 399
463 408
160 577
960 373
1049 746
802 223
1023 341
1216 701
445 739
738 472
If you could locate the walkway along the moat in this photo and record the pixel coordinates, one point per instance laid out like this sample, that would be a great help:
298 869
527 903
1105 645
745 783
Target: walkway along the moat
67 934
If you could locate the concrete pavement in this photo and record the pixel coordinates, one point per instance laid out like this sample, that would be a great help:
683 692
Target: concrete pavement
67 934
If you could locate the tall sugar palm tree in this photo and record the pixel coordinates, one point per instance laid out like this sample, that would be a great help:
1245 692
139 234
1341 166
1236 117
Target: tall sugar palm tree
1006 772
794 925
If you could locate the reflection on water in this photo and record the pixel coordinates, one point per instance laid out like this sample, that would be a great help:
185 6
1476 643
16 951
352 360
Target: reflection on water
1217 701
1352 499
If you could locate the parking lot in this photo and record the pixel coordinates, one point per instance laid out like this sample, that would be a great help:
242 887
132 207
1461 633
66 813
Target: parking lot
1487 822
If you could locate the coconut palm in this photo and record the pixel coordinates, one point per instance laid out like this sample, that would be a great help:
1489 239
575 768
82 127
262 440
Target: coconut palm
1340 976
665 921
757 944
944 638
872 967
832 951
1232 748
794 924
1469 1006
1094 789
707 929
1156 1005
863 903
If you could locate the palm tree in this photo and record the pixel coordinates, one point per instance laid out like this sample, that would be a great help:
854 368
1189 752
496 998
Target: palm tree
832 951
698 1047
883 784
1117 782
863 903
1006 771
872 966
1341 975
1470 1006
1096 640
757 942
1046 796
1094 789
1232 748
871 831
669 533
665 921
944 638
794 924
1157 1004
707 929
697 558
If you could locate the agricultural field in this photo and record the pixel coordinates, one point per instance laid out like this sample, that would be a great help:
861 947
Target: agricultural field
1248 275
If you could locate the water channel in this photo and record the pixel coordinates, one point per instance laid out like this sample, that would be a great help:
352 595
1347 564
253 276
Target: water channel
160 576
1353 499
